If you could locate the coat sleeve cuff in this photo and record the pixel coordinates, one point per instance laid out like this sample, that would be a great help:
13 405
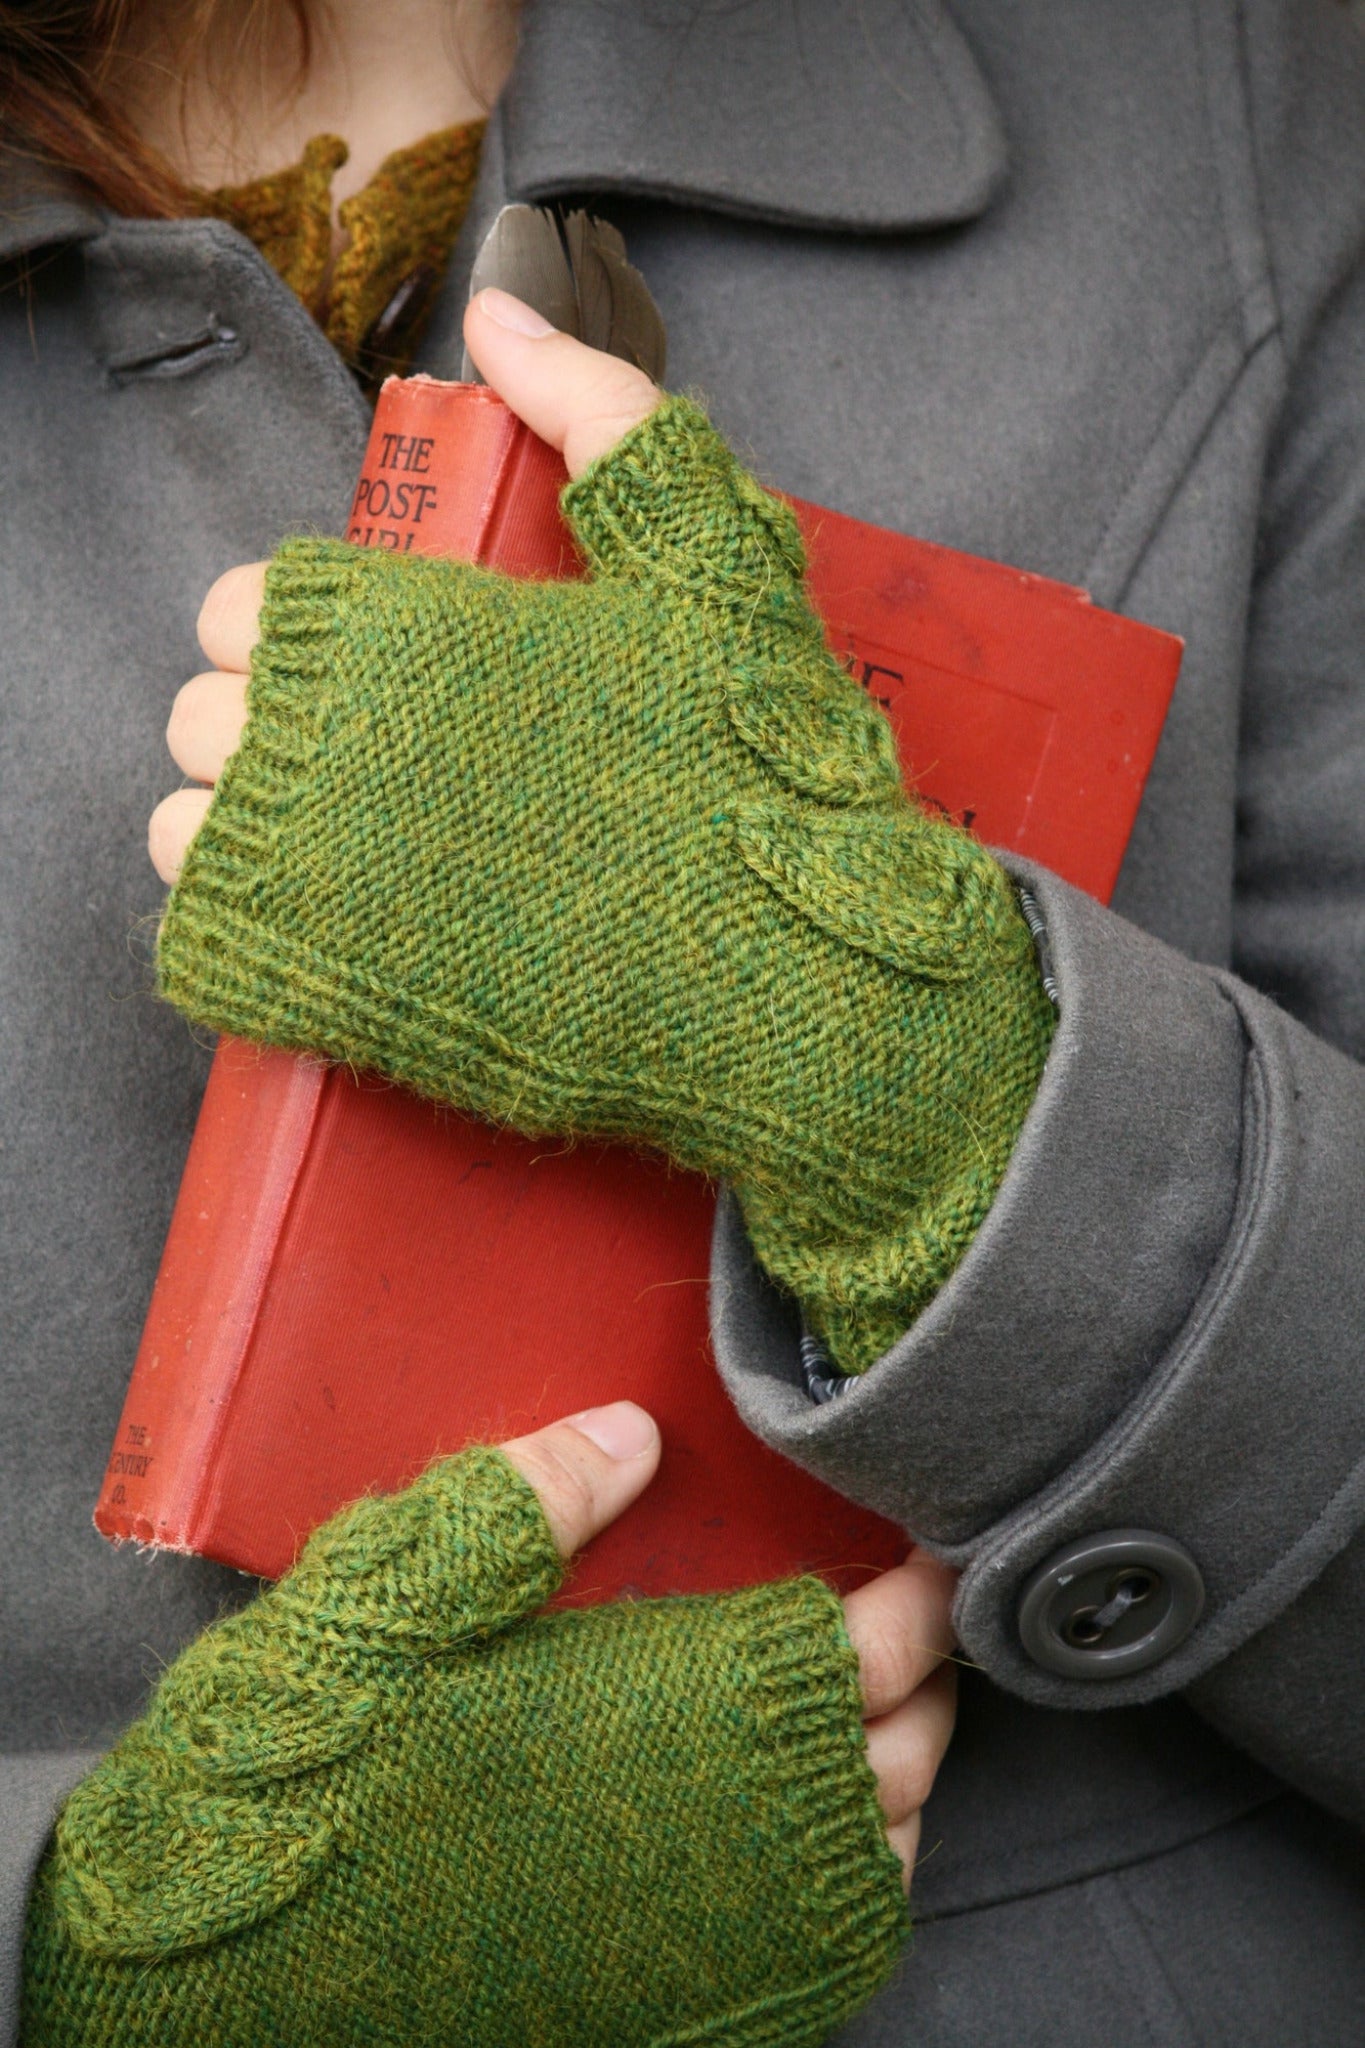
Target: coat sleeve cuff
1155 1328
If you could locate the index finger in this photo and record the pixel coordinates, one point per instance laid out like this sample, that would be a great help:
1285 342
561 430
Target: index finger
901 1626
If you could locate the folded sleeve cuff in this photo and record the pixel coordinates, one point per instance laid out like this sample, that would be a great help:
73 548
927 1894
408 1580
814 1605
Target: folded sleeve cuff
1156 1327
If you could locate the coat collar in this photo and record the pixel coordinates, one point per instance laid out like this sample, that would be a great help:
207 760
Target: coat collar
39 205
868 116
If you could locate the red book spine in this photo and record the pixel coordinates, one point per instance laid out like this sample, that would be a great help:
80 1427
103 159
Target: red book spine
262 1106
448 470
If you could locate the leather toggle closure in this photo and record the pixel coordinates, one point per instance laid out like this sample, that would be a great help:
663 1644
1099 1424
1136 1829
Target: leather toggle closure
386 346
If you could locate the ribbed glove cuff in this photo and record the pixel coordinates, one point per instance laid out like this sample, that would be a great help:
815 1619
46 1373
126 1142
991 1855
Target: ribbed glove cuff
655 1823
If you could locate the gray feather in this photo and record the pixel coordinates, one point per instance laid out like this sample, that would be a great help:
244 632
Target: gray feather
615 310
522 253
582 283
591 278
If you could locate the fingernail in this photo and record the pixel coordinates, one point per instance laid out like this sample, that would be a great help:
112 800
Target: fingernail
620 1429
514 313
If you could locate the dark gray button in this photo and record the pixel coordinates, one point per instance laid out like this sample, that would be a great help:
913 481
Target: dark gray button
1110 1605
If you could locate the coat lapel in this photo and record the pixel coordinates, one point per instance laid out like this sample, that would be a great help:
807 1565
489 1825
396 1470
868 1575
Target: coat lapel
39 205
858 115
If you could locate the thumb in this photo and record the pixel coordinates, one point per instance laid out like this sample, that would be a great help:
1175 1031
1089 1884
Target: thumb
579 399
588 1469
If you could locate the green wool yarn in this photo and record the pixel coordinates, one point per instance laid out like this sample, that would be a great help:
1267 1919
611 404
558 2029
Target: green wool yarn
382 1805
628 857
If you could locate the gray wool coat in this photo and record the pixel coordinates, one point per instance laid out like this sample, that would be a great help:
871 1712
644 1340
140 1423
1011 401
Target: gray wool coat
1073 283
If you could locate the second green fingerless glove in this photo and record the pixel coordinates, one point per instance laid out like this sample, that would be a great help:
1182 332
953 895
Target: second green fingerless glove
380 1806
631 858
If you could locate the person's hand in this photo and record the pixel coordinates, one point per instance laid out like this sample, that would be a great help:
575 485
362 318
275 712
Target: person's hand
582 402
576 398
391 1797
900 1623
626 857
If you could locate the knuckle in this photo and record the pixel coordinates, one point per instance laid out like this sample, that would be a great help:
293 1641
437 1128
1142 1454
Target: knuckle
886 1662
566 1490
620 398
620 385
613 425
901 1627
574 1488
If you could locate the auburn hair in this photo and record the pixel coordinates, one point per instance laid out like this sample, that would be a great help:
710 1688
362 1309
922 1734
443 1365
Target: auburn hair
54 63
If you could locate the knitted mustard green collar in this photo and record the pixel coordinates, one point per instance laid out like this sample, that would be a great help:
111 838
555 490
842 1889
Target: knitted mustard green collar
373 301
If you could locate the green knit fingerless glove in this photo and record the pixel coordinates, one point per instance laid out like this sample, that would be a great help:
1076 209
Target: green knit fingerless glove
629 857
381 1806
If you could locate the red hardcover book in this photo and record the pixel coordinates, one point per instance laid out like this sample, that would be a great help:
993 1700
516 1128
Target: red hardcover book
356 1280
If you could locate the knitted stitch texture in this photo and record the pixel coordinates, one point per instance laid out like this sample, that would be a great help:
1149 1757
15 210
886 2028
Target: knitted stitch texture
382 1806
401 226
628 857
